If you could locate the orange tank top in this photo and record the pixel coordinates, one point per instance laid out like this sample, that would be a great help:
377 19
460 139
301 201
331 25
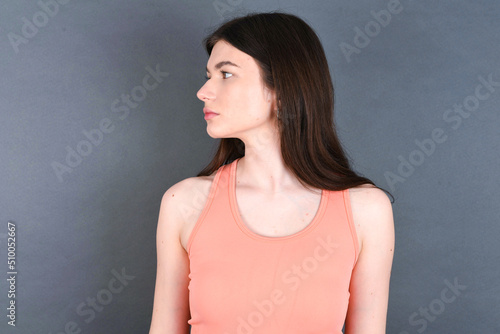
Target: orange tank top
245 283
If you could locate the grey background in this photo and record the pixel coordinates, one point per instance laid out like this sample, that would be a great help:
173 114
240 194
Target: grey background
101 217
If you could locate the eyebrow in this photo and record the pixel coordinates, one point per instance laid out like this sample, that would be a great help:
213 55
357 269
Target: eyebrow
222 63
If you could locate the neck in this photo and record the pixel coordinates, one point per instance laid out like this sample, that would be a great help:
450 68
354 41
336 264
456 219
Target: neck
262 167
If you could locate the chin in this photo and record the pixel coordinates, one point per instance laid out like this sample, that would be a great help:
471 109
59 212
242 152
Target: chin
214 133
213 136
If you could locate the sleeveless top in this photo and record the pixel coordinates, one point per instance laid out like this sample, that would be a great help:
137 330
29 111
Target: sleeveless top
243 282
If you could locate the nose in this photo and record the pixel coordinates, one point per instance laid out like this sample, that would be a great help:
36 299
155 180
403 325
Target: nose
205 93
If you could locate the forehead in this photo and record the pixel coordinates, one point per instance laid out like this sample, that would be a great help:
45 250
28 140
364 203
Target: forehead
225 52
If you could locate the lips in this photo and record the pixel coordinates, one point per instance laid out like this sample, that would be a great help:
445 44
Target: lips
209 111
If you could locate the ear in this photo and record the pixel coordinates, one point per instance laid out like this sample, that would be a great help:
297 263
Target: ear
271 98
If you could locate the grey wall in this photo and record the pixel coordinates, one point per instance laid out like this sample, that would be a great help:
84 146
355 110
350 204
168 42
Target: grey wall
85 222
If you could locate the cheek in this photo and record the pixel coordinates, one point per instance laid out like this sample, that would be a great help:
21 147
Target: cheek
251 100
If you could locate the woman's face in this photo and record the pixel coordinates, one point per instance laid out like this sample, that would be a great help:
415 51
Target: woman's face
236 93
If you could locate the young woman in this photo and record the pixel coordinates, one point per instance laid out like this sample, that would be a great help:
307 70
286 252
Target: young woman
277 234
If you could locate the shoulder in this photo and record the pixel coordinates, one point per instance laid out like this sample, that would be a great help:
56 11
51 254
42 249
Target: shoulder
372 214
182 204
188 186
186 194
369 197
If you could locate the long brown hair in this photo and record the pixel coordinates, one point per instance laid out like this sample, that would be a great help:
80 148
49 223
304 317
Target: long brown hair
292 64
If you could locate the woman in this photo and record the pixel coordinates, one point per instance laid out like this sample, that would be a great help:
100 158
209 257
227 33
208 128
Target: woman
277 234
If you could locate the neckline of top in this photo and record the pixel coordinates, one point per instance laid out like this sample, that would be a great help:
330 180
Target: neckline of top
236 213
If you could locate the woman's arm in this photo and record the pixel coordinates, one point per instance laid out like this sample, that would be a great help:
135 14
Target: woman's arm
373 218
171 302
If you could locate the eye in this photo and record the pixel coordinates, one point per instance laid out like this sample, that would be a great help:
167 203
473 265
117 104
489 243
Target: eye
224 73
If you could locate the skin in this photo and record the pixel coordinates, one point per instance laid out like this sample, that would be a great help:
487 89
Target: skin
247 111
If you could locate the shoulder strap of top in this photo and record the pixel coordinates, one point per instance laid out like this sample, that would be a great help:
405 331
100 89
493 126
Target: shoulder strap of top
213 189
348 209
